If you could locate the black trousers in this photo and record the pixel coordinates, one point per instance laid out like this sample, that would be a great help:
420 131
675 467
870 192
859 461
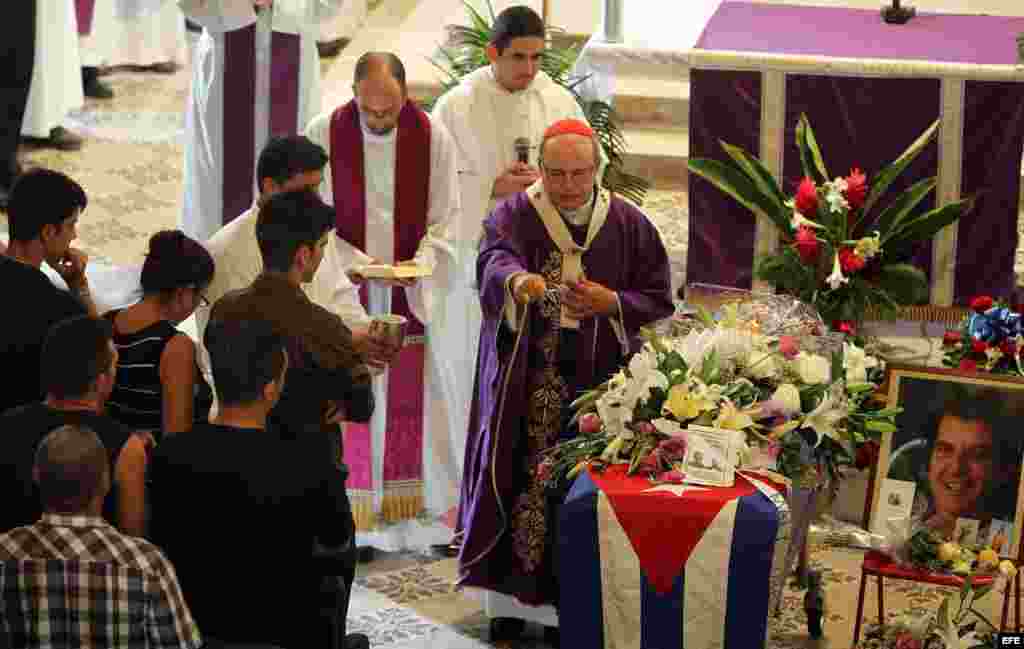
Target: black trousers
17 53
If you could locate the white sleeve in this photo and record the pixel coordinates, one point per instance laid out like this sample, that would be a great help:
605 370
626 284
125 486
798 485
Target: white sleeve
219 15
332 289
319 132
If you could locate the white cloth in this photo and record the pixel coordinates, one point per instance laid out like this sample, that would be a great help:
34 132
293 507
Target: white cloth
56 87
348 21
203 175
443 440
485 120
148 32
96 47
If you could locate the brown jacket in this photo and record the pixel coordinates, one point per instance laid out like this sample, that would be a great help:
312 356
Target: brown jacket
324 365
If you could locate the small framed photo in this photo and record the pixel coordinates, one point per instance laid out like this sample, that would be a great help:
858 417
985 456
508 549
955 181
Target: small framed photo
710 456
959 443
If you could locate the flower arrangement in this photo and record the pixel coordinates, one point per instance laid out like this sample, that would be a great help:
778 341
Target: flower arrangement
798 406
844 250
991 338
957 624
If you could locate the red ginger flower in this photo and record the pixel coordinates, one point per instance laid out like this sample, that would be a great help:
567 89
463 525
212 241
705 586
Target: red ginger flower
968 364
844 326
850 261
979 346
982 303
856 188
951 338
806 200
807 244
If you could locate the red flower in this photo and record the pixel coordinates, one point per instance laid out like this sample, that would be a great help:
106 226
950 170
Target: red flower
844 326
982 303
789 346
650 463
543 471
968 364
1008 347
856 188
979 346
951 338
806 244
850 261
806 200
867 455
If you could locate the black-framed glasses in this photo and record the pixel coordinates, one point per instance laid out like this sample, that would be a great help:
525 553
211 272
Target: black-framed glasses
203 300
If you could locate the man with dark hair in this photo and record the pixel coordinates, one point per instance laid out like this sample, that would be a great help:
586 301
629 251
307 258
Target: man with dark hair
43 214
392 180
328 380
262 507
78 368
70 579
496 115
287 163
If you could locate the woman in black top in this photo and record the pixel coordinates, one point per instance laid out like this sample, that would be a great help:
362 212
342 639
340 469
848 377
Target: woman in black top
157 376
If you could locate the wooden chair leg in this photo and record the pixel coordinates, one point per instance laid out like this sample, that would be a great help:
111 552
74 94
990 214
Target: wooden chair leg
1006 609
1016 602
860 608
881 601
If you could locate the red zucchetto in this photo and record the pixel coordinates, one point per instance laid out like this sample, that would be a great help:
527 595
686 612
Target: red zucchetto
567 126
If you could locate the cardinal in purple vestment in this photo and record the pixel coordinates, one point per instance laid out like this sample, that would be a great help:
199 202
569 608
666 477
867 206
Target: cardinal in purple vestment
568 275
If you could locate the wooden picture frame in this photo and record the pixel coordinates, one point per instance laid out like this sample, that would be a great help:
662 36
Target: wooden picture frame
957 454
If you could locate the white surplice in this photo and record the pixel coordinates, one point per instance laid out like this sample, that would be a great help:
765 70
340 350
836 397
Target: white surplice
485 120
96 47
56 87
148 32
346 23
203 173
443 444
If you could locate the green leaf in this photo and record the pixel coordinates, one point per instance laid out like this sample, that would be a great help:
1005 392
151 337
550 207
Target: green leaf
757 172
734 183
927 225
886 176
810 156
904 283
893 215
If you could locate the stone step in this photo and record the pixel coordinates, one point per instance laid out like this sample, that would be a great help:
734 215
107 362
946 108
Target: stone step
648 101
658 153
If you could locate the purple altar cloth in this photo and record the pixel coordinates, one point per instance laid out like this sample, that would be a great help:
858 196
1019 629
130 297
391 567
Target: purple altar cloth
860 33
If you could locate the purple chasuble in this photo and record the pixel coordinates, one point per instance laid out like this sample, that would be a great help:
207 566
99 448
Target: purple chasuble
503 511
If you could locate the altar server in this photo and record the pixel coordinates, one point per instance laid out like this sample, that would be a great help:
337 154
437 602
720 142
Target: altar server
56 87
392 180
150 34
255 74
568 275
496 116
97 32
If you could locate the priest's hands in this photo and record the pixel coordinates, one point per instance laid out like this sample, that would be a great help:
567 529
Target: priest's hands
374 351
528 287
407 282
585 299
515 179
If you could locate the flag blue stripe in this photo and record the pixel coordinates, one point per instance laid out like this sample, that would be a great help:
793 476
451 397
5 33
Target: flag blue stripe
750 565
661 616
579 556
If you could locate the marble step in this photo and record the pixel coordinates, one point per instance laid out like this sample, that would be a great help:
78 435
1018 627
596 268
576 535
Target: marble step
658 153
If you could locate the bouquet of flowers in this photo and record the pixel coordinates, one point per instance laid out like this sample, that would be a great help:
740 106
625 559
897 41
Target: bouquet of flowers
990 339
957 624
797 406
844 251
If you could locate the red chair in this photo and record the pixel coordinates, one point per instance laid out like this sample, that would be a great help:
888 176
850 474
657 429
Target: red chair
878 565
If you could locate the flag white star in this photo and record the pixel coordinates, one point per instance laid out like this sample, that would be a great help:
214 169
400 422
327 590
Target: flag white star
677 489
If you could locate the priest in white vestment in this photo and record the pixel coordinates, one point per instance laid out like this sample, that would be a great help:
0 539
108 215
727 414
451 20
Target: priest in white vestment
393 181
338 32
497 116
97 31
150 34
255 74
56 87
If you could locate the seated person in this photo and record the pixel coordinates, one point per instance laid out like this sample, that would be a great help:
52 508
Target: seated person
158 380
78 369
133 598
43 214
328 381
237 505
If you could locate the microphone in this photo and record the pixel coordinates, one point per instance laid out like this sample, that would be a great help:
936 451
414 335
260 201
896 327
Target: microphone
522 147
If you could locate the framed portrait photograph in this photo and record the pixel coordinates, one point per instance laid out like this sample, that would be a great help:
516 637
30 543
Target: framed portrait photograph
954 461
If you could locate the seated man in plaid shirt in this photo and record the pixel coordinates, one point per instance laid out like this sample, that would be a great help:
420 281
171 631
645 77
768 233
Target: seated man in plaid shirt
71 579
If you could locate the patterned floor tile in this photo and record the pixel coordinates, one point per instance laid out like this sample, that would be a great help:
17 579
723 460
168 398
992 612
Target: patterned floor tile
410 585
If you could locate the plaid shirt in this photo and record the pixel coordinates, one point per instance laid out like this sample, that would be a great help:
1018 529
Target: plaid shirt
75 581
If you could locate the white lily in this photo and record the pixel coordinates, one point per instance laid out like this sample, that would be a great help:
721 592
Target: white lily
857 362
834 195
799 219
869 246
824 417
836 279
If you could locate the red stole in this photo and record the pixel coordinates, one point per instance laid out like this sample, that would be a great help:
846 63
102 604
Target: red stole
403 430
412 187
83 12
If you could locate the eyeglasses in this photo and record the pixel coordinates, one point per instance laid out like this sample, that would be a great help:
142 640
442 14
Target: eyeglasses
576 175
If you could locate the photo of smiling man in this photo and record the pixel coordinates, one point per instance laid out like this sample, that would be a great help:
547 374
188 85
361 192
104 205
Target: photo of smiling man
957 444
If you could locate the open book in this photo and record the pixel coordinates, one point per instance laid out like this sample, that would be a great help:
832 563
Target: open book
386 271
